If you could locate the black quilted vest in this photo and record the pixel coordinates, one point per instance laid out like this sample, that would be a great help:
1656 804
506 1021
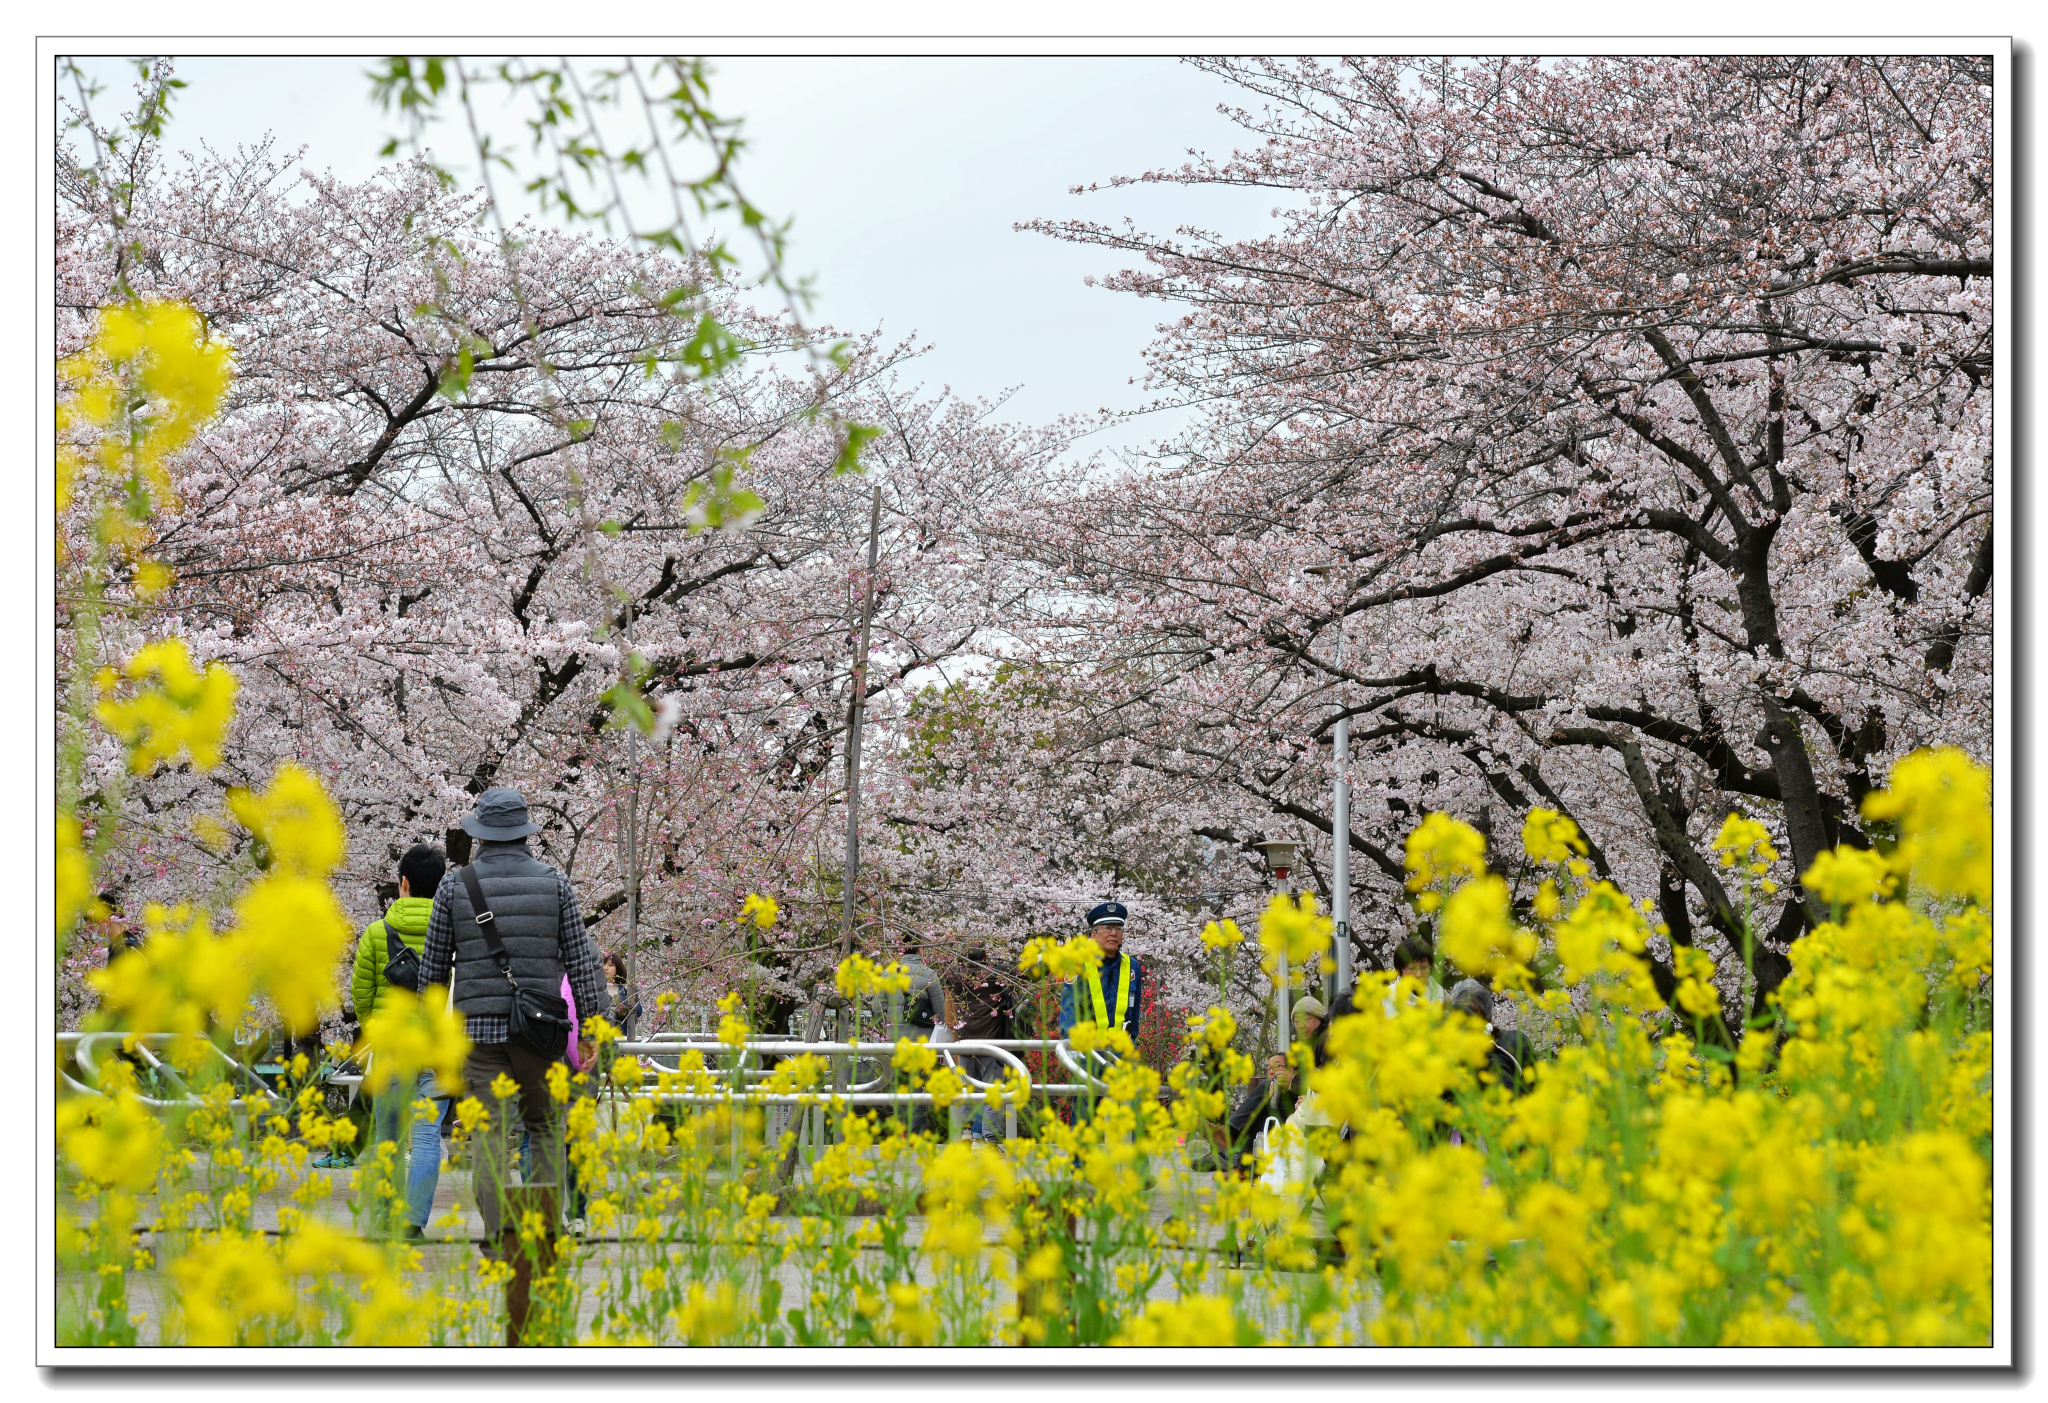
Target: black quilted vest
521 889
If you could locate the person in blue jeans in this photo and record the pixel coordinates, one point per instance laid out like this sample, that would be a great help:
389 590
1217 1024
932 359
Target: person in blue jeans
420 870
423 1163
987 1011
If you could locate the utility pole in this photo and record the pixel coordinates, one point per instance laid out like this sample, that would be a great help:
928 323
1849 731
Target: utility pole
1337 975
856 716
632 811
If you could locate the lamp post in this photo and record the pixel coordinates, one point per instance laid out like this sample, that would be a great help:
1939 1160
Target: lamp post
1337 978
1279 855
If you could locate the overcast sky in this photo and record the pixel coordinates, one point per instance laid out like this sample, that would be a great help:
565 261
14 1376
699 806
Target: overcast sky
905 177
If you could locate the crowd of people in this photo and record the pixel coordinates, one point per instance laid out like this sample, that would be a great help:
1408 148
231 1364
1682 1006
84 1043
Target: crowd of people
505 936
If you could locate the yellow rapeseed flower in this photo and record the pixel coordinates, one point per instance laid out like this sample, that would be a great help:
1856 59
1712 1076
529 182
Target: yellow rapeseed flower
1941 802
1295 928
179 709
1550 838
1191 1320
1443 850
409 1034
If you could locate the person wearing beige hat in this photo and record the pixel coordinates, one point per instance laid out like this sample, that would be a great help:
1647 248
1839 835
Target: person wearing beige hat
1308 1016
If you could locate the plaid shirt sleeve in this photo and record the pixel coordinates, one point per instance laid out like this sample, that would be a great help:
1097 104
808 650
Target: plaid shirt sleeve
580 960
438 957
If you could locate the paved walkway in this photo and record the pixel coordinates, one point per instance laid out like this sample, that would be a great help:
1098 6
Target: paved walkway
449 1255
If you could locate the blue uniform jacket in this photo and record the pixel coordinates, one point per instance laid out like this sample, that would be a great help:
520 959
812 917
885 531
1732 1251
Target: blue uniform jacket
1072 997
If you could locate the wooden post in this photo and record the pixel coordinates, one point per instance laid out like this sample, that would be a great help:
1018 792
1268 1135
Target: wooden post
526 1256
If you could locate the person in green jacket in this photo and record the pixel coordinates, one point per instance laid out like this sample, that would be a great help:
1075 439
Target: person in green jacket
420 870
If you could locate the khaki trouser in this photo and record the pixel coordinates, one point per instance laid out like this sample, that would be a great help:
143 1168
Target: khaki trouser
540 1113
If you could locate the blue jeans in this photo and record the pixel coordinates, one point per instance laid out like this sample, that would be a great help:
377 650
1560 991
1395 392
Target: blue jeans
423 1170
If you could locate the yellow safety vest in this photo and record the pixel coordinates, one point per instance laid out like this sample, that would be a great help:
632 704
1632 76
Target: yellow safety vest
1123 993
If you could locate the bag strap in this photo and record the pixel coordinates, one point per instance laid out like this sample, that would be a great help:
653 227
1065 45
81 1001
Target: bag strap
487 923
390 942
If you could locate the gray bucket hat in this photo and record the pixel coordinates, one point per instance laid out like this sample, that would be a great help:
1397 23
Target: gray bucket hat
1471 995
500 814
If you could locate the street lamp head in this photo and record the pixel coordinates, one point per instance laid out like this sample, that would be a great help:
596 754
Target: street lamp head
1279 855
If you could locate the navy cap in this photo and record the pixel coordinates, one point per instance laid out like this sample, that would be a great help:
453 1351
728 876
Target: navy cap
1109 913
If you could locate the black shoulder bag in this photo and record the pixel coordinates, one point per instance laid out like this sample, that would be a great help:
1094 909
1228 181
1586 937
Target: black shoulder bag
540 1020
402 967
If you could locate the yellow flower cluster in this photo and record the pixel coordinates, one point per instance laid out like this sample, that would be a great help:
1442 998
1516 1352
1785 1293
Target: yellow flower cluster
1746 841
1216 1027
1194 1320
289 931
182 711
152 376
1089 1036
916 1058
1832 1189
759 909
239 1288
859 977
1294 928
1441 852
1940 802
1480 937
1061 959
114 1142
732 1024
1550 838
411 1034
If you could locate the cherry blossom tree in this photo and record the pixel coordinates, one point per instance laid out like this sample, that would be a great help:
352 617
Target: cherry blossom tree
457 494
1641 409
1611 436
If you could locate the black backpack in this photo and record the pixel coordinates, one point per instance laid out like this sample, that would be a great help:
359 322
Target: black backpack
402 967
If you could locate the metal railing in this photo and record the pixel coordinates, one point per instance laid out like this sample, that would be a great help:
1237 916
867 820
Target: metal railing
806 1109
89 1049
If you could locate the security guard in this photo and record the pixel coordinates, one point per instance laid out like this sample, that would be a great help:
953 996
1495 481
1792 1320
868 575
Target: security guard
1109 995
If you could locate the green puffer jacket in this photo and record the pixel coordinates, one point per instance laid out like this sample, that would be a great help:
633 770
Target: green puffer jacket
408 919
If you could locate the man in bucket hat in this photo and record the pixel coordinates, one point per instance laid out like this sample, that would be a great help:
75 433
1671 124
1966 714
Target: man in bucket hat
535 916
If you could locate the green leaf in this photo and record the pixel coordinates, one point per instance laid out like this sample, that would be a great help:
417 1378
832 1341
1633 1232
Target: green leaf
858 436
456 377
624 700
715 504
711 351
